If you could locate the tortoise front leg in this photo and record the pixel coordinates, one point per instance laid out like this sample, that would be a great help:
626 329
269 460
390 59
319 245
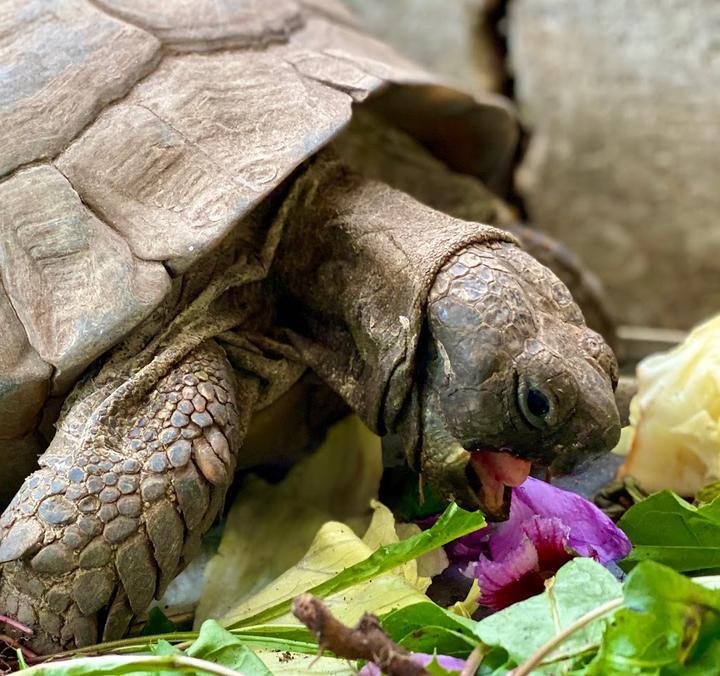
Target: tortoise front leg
121 502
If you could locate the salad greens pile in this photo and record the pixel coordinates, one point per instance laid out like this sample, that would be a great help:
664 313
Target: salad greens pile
590 617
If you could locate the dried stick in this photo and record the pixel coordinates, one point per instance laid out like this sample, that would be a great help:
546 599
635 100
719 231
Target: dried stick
365 641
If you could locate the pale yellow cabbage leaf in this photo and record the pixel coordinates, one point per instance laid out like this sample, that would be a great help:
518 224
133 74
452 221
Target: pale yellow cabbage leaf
295 664
335 548
270 528
282 540
674 437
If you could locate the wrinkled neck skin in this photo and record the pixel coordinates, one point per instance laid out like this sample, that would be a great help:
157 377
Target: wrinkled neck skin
511 369
441 333
353 271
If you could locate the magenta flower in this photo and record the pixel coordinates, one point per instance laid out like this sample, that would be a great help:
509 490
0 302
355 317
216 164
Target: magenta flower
449 663
547 527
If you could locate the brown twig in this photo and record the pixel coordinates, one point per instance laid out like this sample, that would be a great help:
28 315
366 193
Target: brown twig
365 641
11 643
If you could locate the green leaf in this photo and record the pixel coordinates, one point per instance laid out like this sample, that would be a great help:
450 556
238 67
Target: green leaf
440 639
403 621
580 586
293 638
402 494
218 645
454 523
653 583
669 530
428 628
708 494
668 624
334 549
21 659
163 647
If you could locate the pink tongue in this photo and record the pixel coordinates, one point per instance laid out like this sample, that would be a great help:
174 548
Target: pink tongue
495 471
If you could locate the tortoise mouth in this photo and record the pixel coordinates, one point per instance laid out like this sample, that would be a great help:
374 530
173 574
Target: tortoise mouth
492 473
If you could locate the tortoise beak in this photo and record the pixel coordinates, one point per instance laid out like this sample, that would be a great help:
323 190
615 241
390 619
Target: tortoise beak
479 479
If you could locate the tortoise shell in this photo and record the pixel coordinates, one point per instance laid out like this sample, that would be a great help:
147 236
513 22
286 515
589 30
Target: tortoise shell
135 136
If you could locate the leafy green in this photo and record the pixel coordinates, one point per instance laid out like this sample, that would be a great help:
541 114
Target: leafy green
708 494
580 586
454 523
401 491
669 625
667 529
218 645
427 628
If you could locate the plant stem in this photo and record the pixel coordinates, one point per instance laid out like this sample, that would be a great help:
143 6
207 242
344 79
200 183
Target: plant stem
135 642
111 663
473 661
544 650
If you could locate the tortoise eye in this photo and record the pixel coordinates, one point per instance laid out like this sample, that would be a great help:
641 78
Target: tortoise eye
537 403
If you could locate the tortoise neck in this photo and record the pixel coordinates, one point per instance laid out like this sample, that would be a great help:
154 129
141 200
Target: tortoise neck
354 268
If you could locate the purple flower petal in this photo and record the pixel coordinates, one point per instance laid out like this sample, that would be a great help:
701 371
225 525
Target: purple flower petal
592 533
514 578
446 662
469 547
546 528
550 538
521 572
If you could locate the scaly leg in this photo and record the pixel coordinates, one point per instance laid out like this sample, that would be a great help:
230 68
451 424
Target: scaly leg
120 503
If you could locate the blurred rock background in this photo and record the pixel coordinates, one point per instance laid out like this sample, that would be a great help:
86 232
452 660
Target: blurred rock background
621 103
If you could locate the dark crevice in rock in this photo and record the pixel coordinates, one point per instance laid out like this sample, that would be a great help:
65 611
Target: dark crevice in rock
492 29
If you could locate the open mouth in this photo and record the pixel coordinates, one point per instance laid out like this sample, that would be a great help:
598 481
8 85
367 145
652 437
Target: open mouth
495 471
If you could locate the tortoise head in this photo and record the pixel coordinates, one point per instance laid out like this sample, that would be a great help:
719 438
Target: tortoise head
513 376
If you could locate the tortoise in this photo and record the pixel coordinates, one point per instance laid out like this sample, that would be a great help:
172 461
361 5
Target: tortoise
202 202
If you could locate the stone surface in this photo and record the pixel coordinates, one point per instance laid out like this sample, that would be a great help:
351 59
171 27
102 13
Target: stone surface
447 37
622 104
71 279
63 60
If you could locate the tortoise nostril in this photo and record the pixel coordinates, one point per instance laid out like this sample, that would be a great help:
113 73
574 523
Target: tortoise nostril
537 402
